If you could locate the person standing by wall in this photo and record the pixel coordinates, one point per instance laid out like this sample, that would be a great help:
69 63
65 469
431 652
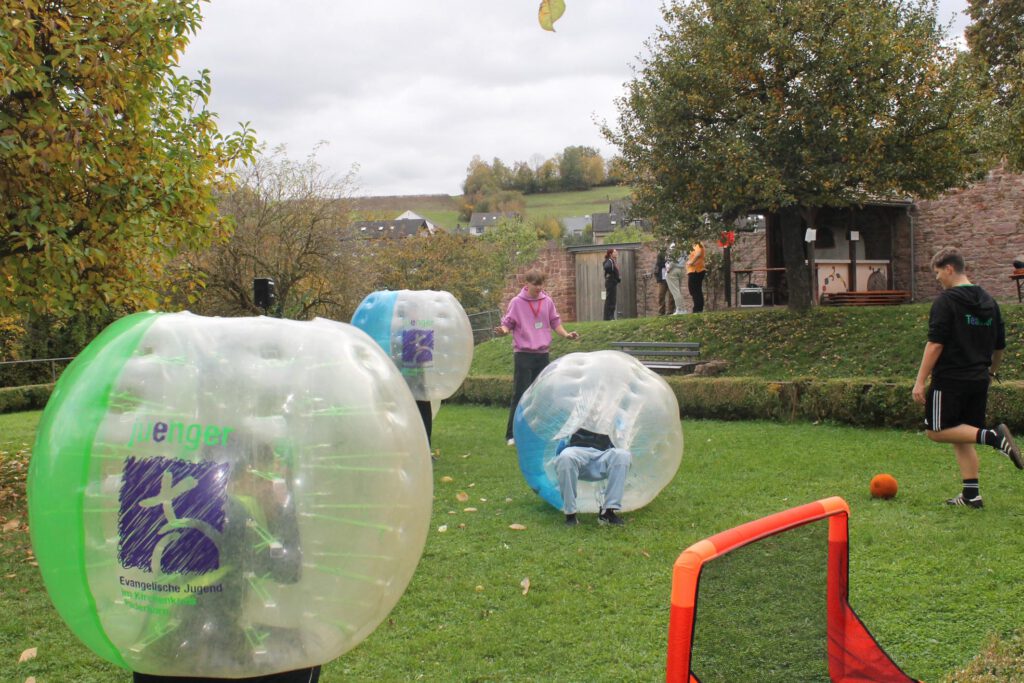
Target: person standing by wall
665 302
531 316
966 341
611 282
695 276
674 275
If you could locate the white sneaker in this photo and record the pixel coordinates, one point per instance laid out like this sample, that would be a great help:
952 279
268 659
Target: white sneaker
511 442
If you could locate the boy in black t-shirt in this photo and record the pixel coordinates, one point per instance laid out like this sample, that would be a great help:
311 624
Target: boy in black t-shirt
966 340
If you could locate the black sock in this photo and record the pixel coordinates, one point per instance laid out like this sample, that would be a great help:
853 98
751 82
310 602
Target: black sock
971 489
989 438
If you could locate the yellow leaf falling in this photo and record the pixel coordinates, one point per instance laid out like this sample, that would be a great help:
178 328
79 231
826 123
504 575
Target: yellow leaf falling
550 12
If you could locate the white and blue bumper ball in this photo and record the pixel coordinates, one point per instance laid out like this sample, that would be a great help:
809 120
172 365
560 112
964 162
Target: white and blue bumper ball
426 333
607 392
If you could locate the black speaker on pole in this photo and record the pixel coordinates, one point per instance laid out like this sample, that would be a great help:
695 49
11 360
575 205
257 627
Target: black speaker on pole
263 292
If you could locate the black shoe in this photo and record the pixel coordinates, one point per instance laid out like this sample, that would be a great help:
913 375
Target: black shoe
1008 446
975 502
570 520
609 517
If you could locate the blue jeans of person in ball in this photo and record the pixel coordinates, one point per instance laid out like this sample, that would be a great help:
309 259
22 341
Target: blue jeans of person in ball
589 464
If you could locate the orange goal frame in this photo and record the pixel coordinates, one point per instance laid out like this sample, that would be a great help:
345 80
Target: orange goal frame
853 653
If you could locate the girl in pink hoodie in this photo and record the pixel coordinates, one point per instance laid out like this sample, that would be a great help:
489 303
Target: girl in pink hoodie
531 316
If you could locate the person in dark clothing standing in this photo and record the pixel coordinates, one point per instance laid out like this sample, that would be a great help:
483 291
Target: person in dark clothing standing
666 304
966 341
611 282
695 276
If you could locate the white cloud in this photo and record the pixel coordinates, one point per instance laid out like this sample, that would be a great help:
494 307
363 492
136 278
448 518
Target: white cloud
410 90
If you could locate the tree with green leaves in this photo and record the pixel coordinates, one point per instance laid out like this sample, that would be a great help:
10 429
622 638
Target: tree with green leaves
788 106
109 159
996 38
515 242
580 168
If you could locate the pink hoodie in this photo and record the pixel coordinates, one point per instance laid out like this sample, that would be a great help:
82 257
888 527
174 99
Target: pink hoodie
531 322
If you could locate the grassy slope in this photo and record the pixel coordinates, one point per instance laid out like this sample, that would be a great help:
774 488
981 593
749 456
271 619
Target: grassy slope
444 211
932 583
884 342
560 204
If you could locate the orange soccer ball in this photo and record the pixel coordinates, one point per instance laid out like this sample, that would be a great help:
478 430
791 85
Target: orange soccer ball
883 486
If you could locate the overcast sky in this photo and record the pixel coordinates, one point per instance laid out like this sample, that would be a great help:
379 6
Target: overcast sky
410 90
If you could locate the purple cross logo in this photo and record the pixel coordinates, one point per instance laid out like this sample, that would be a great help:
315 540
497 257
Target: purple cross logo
172 515
417 347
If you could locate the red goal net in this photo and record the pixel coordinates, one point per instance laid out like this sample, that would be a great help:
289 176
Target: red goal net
768 601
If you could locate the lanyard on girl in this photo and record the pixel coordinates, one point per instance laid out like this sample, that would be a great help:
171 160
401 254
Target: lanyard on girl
536 312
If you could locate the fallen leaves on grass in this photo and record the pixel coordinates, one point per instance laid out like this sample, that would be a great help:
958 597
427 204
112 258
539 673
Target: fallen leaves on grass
462 497
12 525
443 528
525 584
27 655
446 479
517 527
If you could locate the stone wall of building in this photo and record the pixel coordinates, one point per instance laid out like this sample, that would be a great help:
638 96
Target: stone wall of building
560 268
985 221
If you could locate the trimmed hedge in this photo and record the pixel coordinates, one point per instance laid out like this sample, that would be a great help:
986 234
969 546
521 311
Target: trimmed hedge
859 402
29 397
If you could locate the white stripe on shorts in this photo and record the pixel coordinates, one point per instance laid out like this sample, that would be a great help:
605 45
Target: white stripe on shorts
936 411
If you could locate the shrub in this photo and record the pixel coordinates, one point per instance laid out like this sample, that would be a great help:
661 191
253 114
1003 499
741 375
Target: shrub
30 397
859 402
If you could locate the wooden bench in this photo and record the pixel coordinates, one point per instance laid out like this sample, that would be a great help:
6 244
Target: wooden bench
880 297
1018 279
663 356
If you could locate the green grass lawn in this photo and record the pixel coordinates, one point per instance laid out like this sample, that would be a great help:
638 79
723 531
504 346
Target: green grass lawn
936 586
882 342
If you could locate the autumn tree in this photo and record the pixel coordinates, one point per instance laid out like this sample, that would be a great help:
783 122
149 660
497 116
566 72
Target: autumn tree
109 159
292 221
461 264
996 38
788 106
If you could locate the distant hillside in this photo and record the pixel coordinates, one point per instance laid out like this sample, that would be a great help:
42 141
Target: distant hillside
439 209
410 202
443 210
561 204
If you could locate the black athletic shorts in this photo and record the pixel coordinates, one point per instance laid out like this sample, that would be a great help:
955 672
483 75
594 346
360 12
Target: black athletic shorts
945 409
